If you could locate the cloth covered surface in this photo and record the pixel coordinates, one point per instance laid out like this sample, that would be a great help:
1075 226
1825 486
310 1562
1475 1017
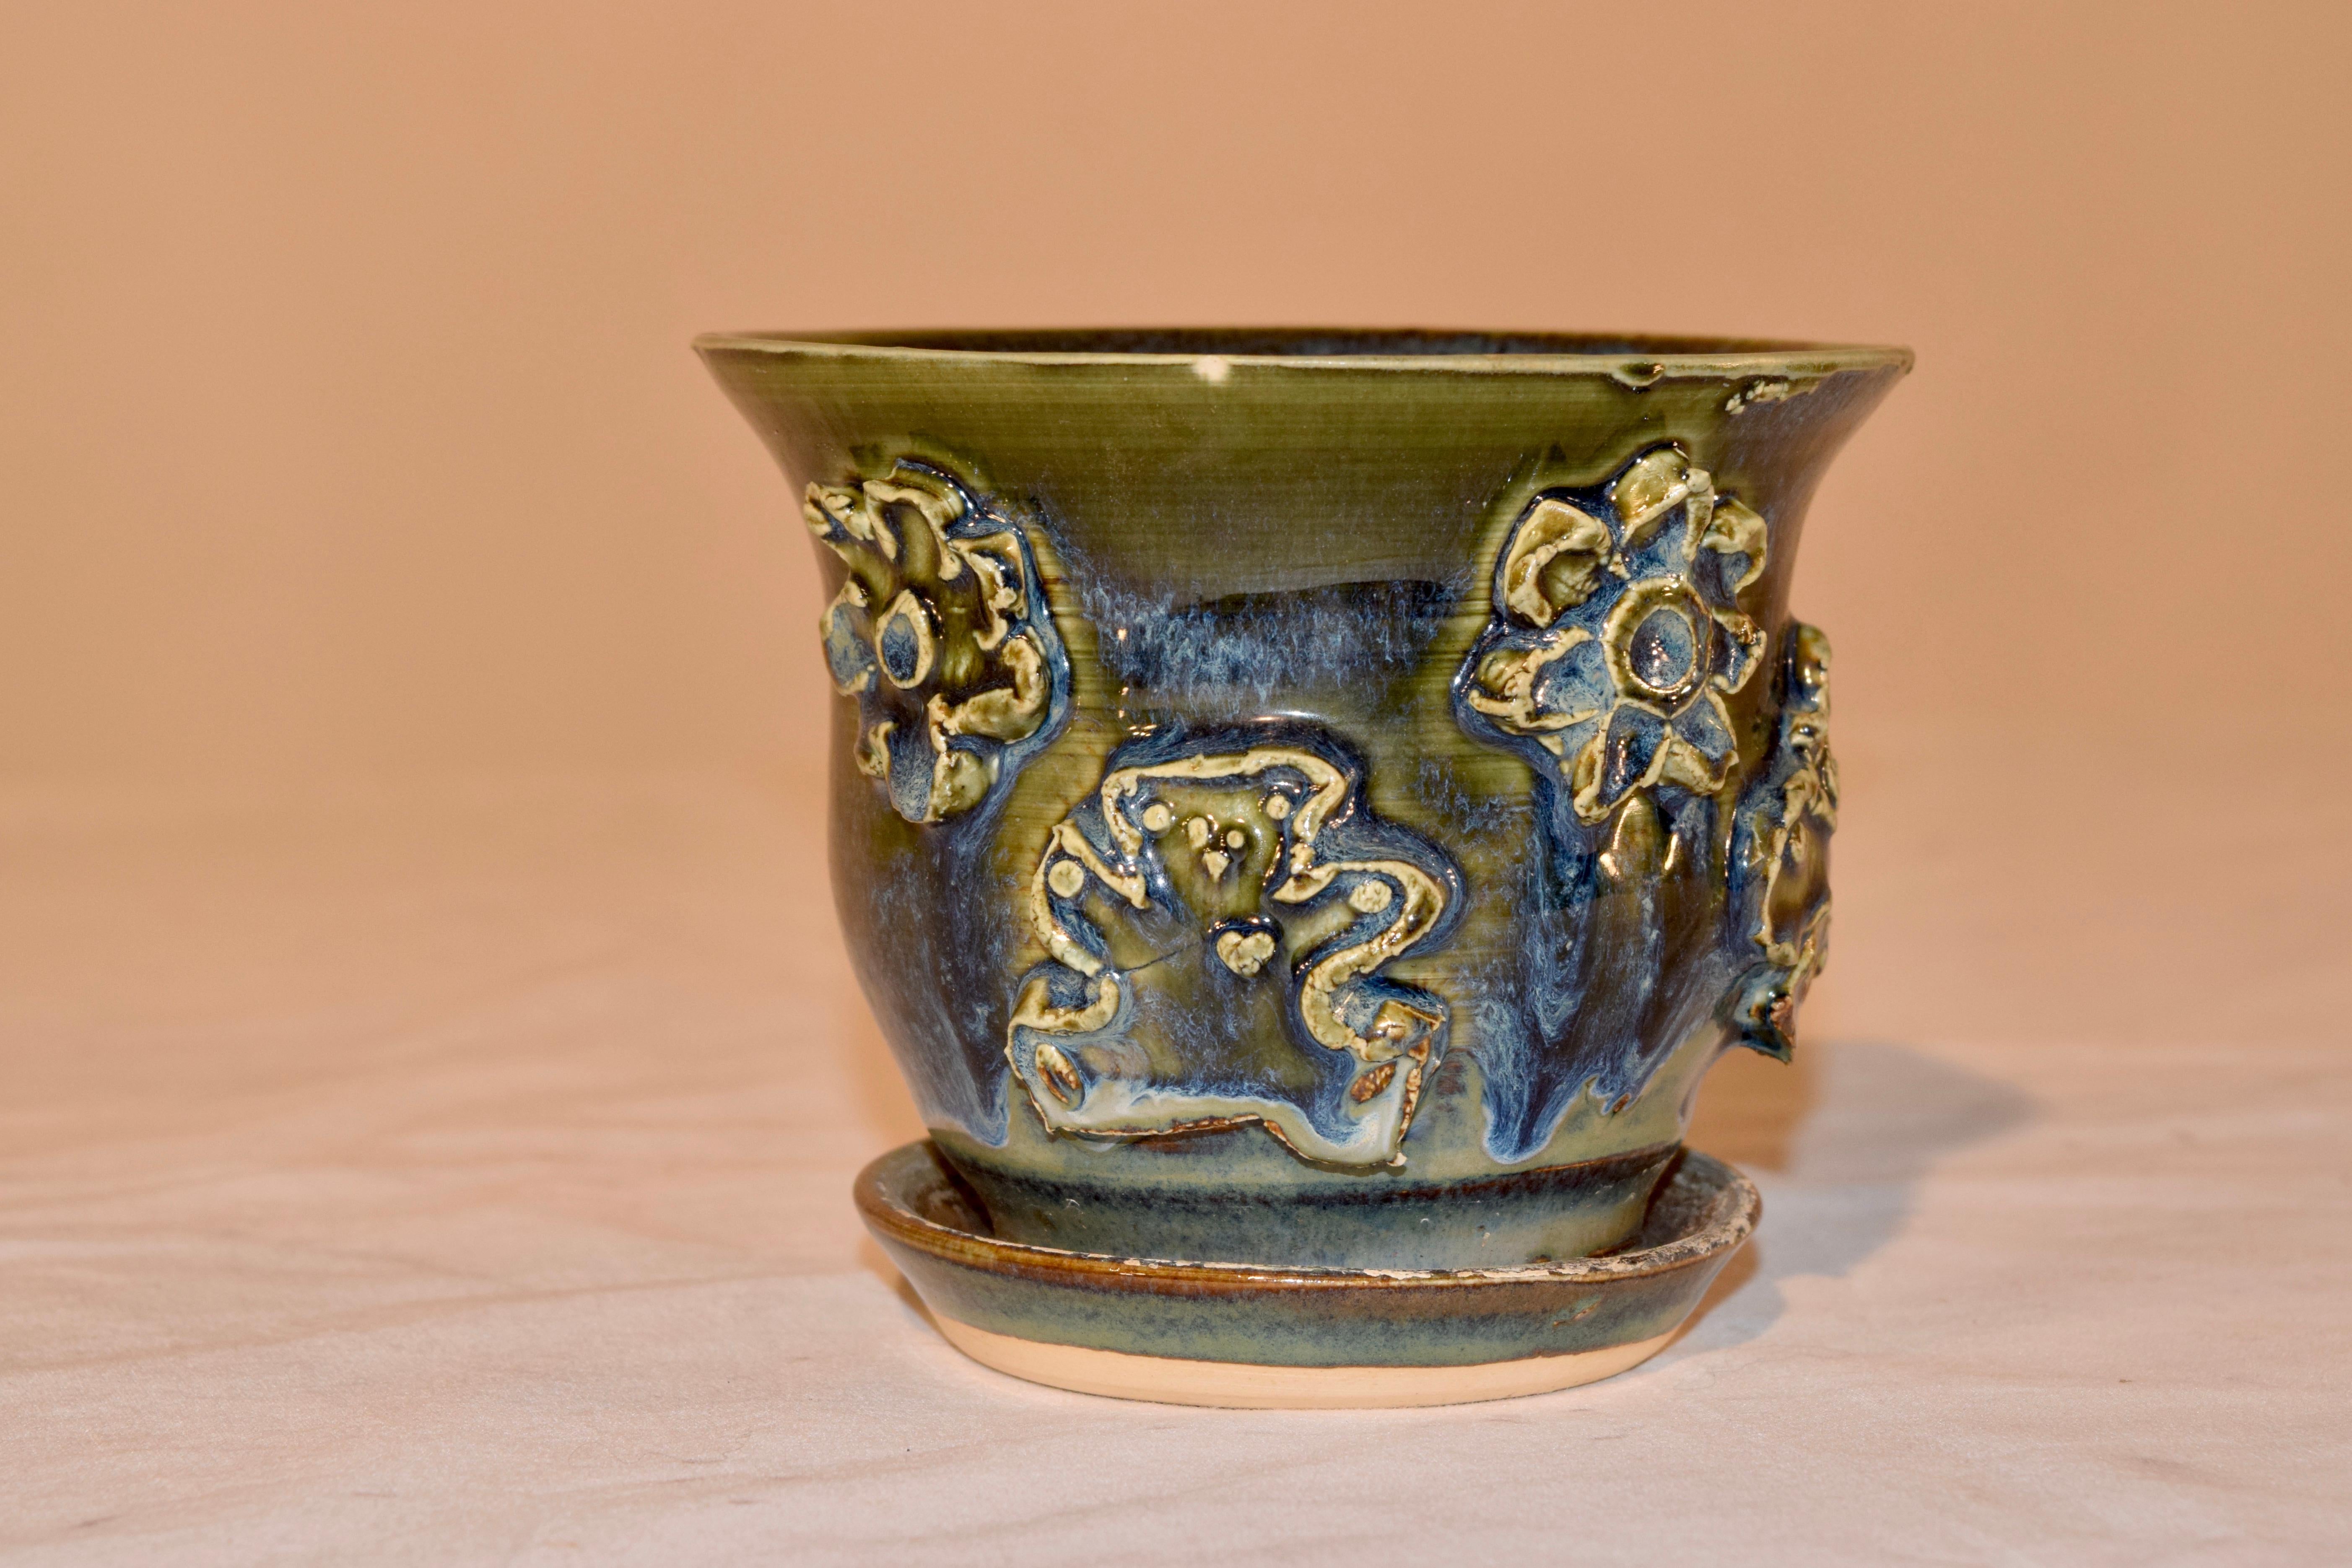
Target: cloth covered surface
460 1174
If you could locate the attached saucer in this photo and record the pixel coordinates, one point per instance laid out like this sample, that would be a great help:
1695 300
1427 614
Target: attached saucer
1259 1336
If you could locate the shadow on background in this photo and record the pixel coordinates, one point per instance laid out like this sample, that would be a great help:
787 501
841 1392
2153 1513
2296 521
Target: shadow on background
1751 1108
1839 1140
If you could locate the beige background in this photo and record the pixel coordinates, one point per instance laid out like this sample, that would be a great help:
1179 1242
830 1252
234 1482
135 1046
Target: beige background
348 430
407 695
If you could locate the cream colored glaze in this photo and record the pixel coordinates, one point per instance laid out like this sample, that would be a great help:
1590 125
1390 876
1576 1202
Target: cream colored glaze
1243 1385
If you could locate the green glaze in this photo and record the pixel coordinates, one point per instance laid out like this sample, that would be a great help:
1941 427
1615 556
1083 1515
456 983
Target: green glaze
1292 1317
1317 798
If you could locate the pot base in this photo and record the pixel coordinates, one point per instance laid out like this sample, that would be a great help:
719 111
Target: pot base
1250 1385
1263 1336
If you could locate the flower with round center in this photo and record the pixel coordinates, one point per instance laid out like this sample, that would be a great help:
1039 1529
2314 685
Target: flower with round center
1617 635
941 634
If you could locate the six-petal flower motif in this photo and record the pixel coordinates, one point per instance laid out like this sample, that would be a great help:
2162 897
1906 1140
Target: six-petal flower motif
1617 633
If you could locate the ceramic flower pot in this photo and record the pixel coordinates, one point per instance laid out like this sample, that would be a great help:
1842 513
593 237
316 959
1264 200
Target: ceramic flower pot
1317 800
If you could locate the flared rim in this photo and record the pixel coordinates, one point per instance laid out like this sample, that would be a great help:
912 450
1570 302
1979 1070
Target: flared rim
1640 356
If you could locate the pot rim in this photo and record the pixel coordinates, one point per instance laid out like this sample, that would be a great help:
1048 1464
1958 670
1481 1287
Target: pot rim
1636 358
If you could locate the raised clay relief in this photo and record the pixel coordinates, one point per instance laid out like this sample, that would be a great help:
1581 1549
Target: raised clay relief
1780 855
940 634
1617 633
1677 880
1222 913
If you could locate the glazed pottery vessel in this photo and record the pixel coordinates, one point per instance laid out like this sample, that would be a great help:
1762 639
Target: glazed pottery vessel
1317 800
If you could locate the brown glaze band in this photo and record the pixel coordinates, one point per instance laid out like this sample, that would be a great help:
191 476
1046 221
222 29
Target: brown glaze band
1682 1241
